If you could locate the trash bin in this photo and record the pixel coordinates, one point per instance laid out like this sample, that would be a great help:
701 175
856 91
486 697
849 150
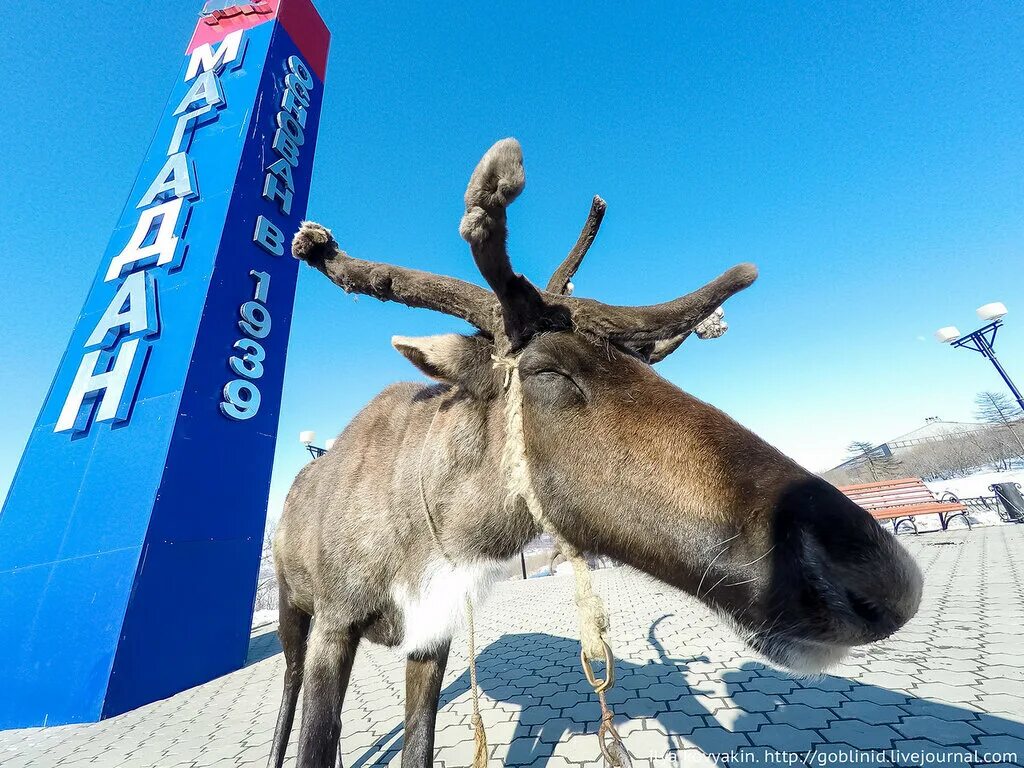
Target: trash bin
1010 497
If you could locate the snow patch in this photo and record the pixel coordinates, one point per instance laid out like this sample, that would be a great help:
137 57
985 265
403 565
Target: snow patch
977 484
969 487
260 618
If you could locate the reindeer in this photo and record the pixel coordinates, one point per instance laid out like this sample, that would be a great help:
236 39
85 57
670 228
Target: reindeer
625 463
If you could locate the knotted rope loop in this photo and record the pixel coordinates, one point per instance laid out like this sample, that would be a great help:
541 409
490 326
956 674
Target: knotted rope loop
593 618
612 748
592 615
599 686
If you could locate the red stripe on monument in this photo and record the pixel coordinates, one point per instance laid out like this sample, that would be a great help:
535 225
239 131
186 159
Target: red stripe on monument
216 26
308 31
298 17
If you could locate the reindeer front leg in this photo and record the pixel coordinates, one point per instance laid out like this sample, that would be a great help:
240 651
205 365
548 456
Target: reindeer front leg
423 674
329 658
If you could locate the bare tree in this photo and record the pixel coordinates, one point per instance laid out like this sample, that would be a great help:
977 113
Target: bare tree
874 462
997 409
956 456
266 586
997 446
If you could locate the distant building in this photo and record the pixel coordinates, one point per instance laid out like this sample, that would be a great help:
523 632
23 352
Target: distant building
934 430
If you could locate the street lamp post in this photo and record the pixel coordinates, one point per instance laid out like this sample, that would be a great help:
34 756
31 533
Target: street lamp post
307 437
983 341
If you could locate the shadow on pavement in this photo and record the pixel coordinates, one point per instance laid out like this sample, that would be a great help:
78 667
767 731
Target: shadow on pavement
262 645
834 715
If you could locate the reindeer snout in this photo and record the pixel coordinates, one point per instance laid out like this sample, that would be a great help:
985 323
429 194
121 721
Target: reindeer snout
858 583
840 579
869 588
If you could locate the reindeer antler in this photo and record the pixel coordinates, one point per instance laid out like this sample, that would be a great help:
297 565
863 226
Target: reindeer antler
711 327
496 182
636 325
559 281
315 245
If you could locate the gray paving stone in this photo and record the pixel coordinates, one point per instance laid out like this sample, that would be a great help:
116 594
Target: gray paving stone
580 748
1008 745
679 723
998 726
550 731
640 707
687 704
953 675
545 690
939 731
784 738
540 713
460 754
647 747
449 736
1001 703
815 698
939 709
733 719
663 692
755 701
869 712
1002 672
716 739
565 699
829 683
948 676
882 696
859 734
1009 687
801 716
946 692
586 712
771 685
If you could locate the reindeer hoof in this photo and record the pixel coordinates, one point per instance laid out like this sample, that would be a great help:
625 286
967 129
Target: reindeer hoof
312 242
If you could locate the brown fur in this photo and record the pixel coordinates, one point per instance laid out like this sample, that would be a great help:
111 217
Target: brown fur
627 465
624 463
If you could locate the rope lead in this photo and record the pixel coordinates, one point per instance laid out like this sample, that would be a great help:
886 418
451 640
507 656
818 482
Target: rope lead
593 617
479 735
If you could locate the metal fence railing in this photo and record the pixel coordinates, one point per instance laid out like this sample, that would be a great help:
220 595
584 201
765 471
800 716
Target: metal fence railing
980 504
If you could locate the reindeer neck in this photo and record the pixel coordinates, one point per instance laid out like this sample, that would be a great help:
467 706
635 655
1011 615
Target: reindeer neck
465 489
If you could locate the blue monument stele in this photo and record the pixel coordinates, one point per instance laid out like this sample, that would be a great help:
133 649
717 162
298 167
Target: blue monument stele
130 539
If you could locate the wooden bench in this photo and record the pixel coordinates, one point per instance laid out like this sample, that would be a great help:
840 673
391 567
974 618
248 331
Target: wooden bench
902 500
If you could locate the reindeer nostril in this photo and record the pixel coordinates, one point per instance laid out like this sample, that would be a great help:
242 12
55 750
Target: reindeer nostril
864 608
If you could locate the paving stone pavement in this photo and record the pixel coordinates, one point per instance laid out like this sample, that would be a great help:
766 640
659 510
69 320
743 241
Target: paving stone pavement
948 688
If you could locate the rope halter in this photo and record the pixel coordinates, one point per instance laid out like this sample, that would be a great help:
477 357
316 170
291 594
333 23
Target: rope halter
593 618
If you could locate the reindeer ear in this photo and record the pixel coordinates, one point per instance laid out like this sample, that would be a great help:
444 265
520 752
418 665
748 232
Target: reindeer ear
453 359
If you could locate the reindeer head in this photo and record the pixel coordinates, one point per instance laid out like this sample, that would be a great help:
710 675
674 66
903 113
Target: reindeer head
629 465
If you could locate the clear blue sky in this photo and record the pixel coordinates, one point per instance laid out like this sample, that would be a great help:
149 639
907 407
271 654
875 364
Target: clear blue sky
868 159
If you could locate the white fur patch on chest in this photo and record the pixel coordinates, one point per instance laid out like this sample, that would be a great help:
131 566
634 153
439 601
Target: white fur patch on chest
434 609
